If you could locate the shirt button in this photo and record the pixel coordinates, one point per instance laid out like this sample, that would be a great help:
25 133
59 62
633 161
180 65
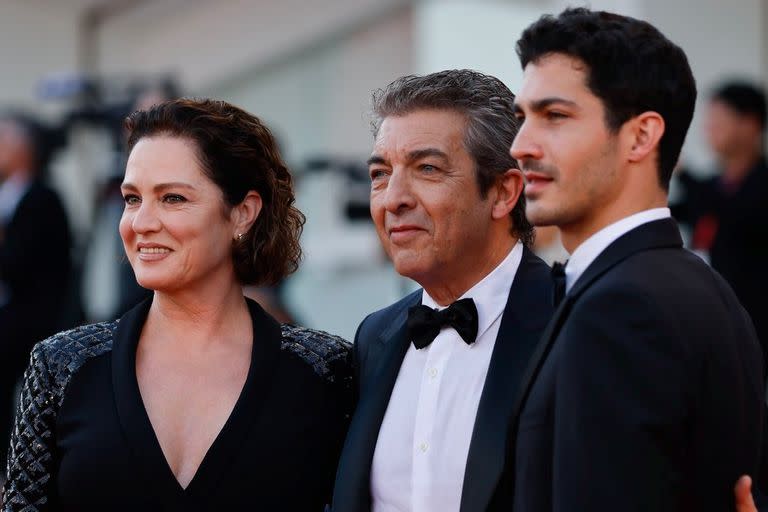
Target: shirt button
423 447
432 373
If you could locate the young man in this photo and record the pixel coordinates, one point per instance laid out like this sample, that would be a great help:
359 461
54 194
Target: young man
646 392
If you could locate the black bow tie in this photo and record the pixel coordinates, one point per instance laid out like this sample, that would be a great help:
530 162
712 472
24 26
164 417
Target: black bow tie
558 280
424 323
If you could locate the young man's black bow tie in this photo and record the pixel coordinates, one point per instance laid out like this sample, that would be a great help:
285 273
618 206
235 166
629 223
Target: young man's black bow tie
424 323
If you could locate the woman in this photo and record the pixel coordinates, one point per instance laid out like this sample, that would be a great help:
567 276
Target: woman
195 399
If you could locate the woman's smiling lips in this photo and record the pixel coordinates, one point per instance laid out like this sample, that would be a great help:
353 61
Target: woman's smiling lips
152 252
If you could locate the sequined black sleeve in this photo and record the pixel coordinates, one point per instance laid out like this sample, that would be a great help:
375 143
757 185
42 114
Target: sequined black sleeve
31 455
329 355
331 359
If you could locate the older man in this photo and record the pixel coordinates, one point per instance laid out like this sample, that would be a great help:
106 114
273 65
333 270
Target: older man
439 370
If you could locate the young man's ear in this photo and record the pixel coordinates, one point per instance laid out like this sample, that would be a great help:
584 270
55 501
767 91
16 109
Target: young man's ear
645 132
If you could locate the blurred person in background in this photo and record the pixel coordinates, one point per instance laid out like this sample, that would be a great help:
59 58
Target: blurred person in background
35 262
728 213
197 399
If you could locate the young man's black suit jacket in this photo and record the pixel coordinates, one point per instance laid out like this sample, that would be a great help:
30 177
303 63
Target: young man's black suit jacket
380 345
646 392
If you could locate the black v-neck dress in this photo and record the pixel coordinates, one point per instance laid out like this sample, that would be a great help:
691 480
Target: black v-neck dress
83 440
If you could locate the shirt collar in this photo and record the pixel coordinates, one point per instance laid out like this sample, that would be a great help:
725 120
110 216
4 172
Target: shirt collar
491 293
591 248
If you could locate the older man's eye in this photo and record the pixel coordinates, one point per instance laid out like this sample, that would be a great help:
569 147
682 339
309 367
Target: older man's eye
377 174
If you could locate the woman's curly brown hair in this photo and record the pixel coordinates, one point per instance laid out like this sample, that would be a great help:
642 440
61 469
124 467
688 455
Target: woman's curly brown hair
238 153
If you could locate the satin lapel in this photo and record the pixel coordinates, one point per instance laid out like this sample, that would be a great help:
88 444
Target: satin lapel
353 490
526 314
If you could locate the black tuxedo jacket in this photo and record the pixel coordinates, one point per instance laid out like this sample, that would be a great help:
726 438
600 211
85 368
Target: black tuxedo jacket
380 345
646 391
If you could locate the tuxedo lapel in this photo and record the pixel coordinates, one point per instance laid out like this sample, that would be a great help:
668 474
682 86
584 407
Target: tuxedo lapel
527 312
353 492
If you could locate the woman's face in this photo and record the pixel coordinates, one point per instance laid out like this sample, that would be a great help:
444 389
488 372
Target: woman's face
176 229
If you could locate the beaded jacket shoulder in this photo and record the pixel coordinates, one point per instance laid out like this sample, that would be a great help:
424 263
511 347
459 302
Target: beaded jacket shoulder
327 354
52 364
61 355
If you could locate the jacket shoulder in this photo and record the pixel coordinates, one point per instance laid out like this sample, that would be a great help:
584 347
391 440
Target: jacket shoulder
31 458
61 355
327 354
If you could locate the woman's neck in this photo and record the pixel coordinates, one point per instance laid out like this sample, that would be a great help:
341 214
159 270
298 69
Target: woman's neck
198 318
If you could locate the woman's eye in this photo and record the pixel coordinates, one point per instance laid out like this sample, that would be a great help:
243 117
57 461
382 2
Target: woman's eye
174 198
131 199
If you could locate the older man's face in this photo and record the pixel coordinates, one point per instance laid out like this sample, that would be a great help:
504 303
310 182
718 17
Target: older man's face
425 198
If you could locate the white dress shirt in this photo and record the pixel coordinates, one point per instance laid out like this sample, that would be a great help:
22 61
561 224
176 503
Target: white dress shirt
421 452
585 254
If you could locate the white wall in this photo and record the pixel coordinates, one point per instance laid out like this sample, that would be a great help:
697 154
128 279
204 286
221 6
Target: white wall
478 35
317 99
36 39
207 41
